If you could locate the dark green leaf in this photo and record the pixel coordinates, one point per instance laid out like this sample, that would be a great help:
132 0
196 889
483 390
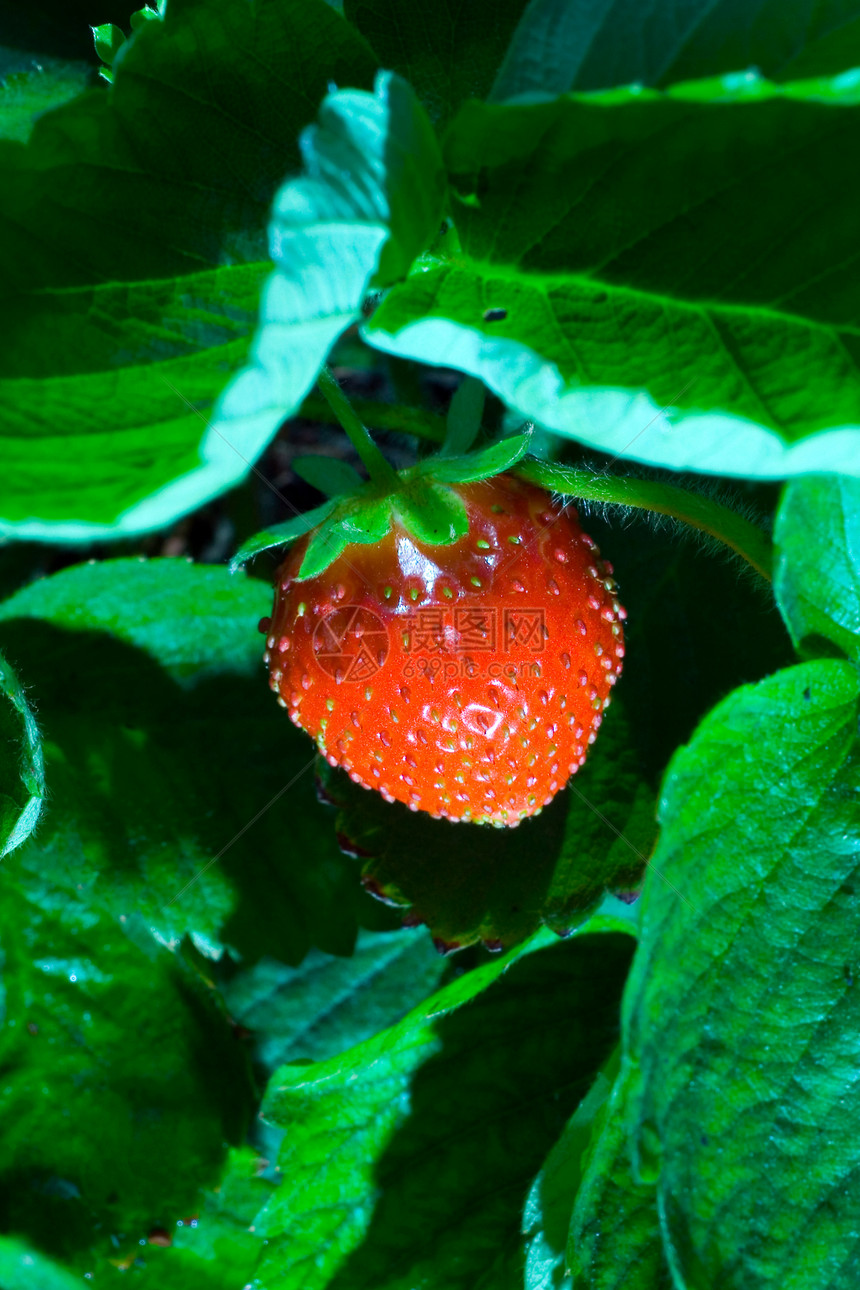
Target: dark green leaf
132 259
22 769
817 579
35 87
546 1215
369 202
742 1010
448 54
330 475
583 299
326 1005
280 534
551 42
121 1081
464 417
431 1132
470 883
179 790
614 1241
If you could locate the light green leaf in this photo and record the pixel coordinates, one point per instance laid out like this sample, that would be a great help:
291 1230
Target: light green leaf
126 317
742 1013
370 200
152 698
430 1132
582 297
108 40
330 475
280 534
326 1005
22 769
817 580
32 86
551 42
23 1268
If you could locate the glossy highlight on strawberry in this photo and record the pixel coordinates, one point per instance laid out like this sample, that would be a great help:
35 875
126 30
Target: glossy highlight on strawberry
466 680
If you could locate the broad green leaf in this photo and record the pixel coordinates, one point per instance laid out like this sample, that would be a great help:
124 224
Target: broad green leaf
23 1268
32 86
470 884
741 1013
583 298
179 790
127 315
817 579
280 534
369 201
452 53
614 1241
22 769
122 1082
326 1005
431 1132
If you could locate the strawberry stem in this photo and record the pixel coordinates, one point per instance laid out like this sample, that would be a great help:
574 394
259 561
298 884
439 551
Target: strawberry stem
377 467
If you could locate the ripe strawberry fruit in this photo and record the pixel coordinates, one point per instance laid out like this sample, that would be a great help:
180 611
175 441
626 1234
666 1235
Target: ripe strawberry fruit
467 679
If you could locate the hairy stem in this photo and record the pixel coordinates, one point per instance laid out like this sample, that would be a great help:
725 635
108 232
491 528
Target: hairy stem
377 467
710 517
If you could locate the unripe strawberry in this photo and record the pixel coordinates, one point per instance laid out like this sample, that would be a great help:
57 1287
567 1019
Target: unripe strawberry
466 679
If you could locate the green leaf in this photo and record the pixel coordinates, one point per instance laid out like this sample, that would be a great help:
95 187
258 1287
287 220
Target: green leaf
122 1081
127 315
741 1016
326 1005
610 326
369 202
179 790
546 1214
464 418
447 54
329 475
33 87
108 40
558 47
430 1132
817 579
22 1268
451 54
470 884
614 1241
22 769
280 534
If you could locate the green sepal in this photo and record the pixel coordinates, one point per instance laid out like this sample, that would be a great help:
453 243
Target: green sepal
147 14
498 457
280 534
331 476
464 417
431 512
365 522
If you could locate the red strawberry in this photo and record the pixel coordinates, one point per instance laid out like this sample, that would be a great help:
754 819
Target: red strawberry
467 679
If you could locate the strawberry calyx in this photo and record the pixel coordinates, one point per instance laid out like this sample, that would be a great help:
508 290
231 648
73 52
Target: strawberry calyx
420 500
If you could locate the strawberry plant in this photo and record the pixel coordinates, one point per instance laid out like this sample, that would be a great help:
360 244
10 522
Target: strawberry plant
430 621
